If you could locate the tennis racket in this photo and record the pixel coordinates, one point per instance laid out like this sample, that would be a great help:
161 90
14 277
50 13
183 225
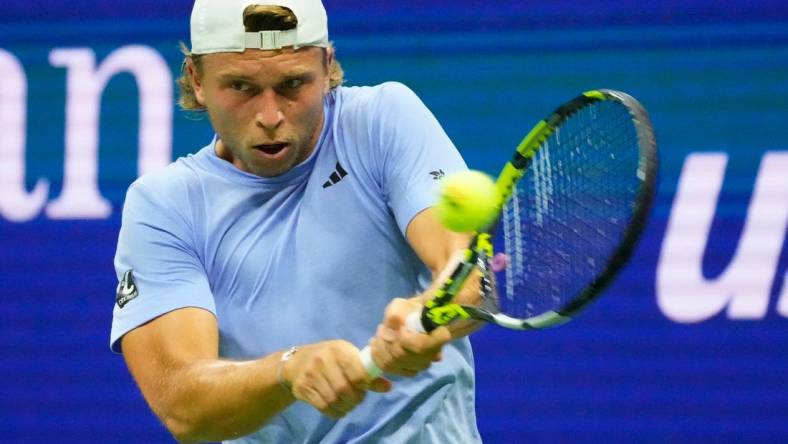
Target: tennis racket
573 202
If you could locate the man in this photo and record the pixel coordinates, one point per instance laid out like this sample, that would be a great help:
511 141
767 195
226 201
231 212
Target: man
254 270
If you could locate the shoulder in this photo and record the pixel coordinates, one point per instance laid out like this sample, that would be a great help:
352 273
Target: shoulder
375 91
186 172
372 110
166 191
382 95
169 180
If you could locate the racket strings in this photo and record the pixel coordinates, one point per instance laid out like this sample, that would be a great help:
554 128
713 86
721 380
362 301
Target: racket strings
569 212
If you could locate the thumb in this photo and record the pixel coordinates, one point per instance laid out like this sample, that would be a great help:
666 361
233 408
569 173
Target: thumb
397 311
441 334
380 385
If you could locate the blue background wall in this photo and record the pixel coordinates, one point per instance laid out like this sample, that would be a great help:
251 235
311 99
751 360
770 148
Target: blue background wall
712 74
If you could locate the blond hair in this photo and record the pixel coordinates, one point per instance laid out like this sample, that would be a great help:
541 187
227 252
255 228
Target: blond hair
256 18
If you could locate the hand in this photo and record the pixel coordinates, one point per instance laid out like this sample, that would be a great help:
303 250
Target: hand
329 376
399 351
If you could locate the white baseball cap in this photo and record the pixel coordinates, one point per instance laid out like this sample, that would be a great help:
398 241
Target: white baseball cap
217 26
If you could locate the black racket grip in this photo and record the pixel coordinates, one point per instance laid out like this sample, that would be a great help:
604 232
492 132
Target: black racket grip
426 321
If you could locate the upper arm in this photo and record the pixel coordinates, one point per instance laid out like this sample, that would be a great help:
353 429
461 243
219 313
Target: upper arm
156 247
157 350
413 152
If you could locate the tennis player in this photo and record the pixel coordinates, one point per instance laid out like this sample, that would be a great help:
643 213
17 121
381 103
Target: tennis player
252 271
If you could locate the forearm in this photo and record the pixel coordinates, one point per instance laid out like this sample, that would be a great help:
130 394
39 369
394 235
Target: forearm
214 400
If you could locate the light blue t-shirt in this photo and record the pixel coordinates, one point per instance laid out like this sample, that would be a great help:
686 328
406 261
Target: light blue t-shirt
314 254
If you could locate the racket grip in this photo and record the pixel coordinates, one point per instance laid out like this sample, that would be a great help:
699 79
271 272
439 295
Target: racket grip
412 322
366 360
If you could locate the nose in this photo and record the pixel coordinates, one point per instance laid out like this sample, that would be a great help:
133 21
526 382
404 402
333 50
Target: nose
269 111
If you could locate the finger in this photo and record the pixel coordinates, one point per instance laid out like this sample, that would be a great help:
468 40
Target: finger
345 394
325 388
397 311
395 358
405 365
313 397
406 353
334 405
380 385
387 333
380 354
424 344
415 352
441 334
313 387
356 374
328 408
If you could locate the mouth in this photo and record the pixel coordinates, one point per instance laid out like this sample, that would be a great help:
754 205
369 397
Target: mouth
271 149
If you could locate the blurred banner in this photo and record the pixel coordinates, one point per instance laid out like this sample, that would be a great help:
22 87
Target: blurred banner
689 344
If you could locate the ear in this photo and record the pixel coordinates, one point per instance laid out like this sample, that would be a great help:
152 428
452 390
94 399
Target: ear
329 62
196 79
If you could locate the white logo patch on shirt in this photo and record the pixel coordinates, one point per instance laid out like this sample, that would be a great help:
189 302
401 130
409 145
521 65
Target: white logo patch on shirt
127 289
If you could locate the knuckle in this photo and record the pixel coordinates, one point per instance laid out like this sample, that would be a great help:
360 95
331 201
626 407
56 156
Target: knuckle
331 399
344 388
338 348
320 404
309 374
399 352
356 380
394 305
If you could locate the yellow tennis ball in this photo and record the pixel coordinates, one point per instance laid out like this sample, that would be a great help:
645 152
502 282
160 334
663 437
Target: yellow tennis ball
467 201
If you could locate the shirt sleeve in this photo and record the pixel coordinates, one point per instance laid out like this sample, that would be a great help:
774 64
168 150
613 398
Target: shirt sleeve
156 263
415 153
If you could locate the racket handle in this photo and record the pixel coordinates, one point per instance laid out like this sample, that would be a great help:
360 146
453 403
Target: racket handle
412 322
366 360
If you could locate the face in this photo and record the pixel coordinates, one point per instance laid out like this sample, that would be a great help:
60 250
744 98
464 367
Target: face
266 106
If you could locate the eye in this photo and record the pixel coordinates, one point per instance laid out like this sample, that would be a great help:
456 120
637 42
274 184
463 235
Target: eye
293 83
240 86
